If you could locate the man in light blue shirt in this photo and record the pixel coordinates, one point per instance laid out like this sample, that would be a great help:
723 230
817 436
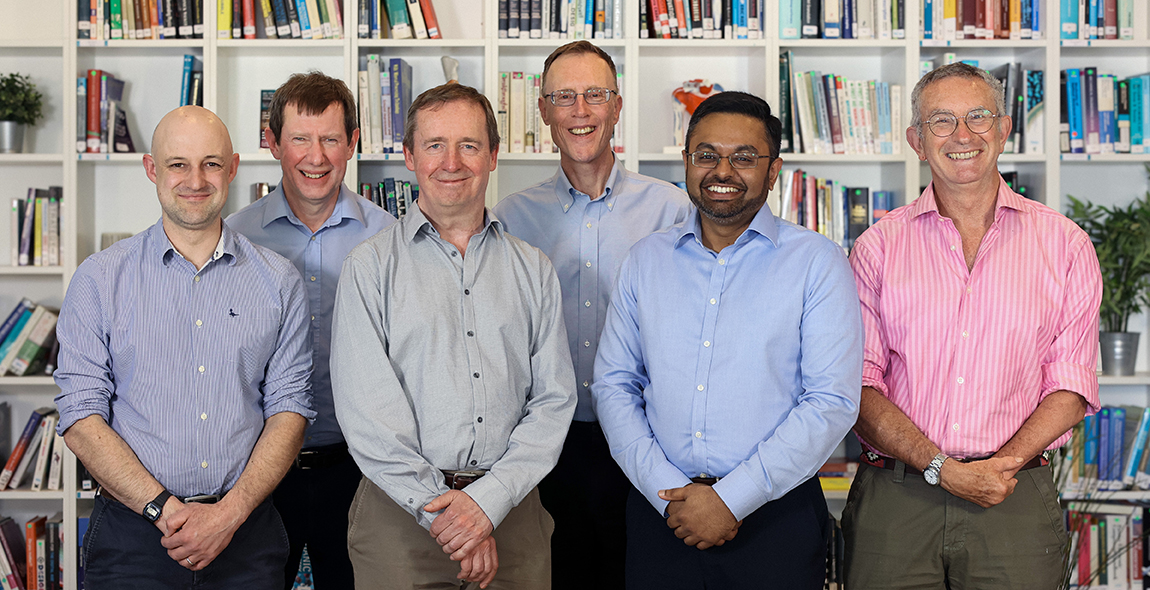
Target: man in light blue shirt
313 220
584 219
728 371
184 365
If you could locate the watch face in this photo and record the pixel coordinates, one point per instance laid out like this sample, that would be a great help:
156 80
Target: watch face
931 476
151 512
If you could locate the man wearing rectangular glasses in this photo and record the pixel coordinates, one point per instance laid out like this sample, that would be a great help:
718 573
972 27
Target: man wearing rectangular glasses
981 317
585 218
728 372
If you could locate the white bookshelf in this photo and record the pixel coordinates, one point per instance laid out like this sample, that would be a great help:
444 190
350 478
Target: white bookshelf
109 193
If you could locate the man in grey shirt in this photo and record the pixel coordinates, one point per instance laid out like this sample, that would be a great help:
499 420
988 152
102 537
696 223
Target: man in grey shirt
450 369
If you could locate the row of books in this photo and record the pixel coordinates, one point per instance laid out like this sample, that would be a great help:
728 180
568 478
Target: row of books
950 20
192 82
825 114
38 454
139 19
561 19
281 19
101 122
394 195
701 19
1102 114
1107 546
842 19
34 232
1025 98
822 205
28 343
1107 452
1097 19
384 96
398 19
31 555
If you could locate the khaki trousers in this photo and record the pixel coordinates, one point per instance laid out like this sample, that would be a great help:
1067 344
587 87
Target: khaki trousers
903 533
390 551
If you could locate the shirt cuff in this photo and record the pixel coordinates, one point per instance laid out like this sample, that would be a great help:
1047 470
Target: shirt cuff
290 405
80 411
873 378
1071 377
741 493
664 477
492 497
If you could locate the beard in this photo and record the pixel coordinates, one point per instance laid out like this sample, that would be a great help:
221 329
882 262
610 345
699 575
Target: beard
727 212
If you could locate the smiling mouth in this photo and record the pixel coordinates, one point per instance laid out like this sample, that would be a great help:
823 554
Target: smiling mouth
314 176
720 189
963 155
581 130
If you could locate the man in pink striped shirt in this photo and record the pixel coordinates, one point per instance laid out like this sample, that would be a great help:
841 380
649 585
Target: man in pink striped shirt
981 316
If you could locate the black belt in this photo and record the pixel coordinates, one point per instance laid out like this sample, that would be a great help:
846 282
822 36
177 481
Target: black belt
321 457
457 480
196 499
707 481
876 460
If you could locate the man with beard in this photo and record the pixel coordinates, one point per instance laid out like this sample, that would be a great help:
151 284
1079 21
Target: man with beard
727 372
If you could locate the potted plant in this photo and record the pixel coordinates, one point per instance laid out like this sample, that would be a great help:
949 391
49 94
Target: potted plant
20 104
1121 237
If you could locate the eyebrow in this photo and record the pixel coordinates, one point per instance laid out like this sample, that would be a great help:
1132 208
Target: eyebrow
173 159
444 140
741 148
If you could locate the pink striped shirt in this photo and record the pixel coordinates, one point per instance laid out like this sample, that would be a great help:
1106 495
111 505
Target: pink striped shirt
968 355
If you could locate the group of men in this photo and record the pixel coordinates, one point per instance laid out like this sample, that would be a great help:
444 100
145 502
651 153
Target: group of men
600 383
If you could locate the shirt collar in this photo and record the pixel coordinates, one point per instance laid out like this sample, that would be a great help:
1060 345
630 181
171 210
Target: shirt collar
763 224
415 220
565 193
347 206
1006 199
225 247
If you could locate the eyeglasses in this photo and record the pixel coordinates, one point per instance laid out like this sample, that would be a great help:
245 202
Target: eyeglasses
739 160
978 121
566 98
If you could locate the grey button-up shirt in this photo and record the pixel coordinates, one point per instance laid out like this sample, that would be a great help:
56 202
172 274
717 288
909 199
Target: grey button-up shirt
448 361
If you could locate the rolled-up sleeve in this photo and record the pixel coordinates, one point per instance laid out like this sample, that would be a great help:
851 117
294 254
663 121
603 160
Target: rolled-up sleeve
287 383
1071 360
84 374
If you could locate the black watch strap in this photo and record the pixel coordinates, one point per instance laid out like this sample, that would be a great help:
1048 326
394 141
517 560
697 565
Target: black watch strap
153 509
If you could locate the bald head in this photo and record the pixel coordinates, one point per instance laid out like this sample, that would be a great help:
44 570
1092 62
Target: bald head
190 120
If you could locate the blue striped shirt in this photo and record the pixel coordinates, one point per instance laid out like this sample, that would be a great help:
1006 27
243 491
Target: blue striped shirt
184 365
743 364
587 240
318 256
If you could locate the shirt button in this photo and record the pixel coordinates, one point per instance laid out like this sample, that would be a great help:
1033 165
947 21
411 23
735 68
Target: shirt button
588 264
566 207
588 224
204 416
197 279
953 248
712 301
703 475
479 419
955 427
313 238
965 334
201 368
476 375
587 303
474 462
722 261
313 279
313 318
586 384
698 435
454 254
700 388
199 322
968 289
707 343
467 291
471 333
586 343
961 380
204 464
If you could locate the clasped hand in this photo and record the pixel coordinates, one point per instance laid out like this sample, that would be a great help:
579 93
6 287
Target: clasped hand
699 516
464 532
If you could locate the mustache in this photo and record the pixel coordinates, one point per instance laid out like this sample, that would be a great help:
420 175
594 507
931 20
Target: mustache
727 180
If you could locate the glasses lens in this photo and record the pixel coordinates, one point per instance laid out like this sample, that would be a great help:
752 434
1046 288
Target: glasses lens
979 120
704 159
744 160
596 95
943 125
563 98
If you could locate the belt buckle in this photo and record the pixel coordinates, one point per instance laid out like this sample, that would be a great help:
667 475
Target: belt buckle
461 479
203 499
299 458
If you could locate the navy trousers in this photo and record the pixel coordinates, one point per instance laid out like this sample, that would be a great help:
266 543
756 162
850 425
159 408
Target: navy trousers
122 551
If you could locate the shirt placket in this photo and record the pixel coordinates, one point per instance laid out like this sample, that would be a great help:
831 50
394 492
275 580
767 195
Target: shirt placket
705 347
588 290
203 369
466 270
313 279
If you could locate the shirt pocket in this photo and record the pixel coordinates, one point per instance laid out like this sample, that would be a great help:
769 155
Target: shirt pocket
248 336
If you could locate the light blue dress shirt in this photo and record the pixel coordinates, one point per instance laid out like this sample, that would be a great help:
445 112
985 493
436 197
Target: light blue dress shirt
318 256
184 364
587 240
744 364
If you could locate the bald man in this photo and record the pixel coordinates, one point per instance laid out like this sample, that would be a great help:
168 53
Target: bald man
183 375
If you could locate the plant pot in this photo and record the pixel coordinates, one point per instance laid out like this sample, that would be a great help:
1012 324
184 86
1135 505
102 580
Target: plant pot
1119 352
11 137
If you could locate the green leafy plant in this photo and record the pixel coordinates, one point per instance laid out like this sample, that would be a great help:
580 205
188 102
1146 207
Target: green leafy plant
19 99
1121 237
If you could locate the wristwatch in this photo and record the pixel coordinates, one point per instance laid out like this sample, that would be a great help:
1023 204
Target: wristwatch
153 509
930 474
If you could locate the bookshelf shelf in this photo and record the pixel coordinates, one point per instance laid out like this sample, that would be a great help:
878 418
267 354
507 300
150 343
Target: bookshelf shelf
86 494
30 495
528 157
792 158
1022 158
281 43
13 381
1139 378
553 43
256 157
30 158
985 43
689 44
388 157
420 43
840 44
122 158
1130 158
32 270
1110 496
1130 44
32 43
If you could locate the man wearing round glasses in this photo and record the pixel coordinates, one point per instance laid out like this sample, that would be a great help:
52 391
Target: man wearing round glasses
728 372
585 218
981 316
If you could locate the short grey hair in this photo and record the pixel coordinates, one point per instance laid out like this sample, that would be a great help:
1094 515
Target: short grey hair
954 70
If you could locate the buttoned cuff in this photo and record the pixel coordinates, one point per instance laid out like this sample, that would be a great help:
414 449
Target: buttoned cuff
492 497
741 493
1074 378
664 477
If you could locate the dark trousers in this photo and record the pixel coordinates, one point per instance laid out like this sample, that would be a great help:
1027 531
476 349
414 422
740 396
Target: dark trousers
783 544
122 551
586 494
314 505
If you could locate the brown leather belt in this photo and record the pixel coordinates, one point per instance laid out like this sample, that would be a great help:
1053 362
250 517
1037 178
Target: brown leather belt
457 480
707 481
876 460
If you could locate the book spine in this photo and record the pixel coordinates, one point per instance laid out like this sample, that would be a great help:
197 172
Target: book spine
283 26
1090 110
1063 116
18 451
93 115
170 26
430 19
185 25
249 14
418 27
42 457
56 468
